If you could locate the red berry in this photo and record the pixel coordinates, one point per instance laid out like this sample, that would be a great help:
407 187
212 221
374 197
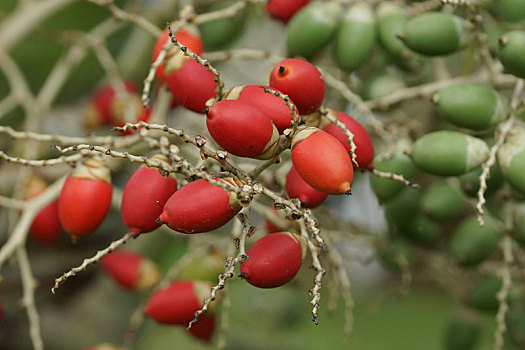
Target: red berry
199 207
178 302
242 129
189 37
322 161
144 197
192 85
273 260
274 107
131 270
300 80
106 109
365 149
296 187
85 198
283 10
46 225
204 328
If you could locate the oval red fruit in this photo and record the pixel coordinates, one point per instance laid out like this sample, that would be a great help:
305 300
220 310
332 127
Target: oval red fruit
192 85
242 129
199 207
300 80
204 328
144 197
131 270
283 10
322 161
46 225
85 198
364 147
296 187
189 37
178 302
274 107
273 260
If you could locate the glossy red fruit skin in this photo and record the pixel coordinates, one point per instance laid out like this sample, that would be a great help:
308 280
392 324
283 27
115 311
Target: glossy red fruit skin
273 261
192 41
274 107
104 98
143 199
300 80
83 204
365 148
198 207
283 10
175 304
204 328
322 161
296 187
192 85
46 225
239 128
124 267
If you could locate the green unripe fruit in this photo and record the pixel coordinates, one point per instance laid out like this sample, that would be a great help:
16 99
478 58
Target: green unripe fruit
422 230
472 244
391 19
511 157
462 333
390 254
222 32
515 321
355 37
436 33
402 208
510 52
518 227
470 181
442 202
470 105
387 188
483 296
448 153
312 28
512 10
381 84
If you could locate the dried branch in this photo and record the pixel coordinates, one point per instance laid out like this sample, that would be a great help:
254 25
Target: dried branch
94 259
395 177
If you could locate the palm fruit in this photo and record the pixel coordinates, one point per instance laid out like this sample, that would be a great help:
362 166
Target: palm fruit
273 260
515 322
131 270
470 105
512 10
380 84
442 202
274 107
511 157
223 31
510 52
391 19
470 181
178 302
436 33
322 161
471 244
421 230
518 227
364 147
391 253
296 187
312 28
283 10
242 129
355 38
462 333
400 164
403 207
200 207
483 295
448 153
